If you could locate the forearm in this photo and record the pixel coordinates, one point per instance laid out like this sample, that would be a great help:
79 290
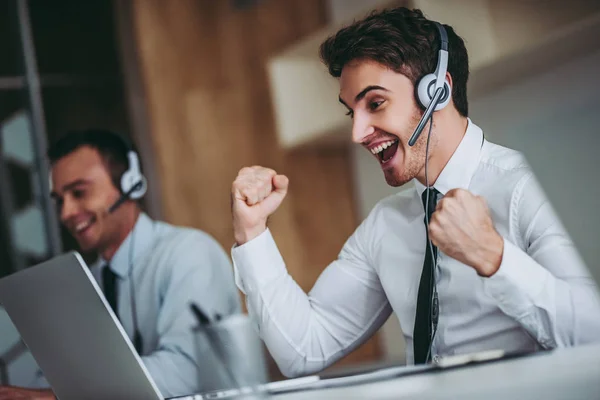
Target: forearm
290 328
306 333
556 312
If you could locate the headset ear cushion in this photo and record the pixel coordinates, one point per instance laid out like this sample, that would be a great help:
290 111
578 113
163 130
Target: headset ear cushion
131 178
425 92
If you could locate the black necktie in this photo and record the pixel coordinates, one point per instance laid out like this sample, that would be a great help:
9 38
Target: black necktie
109 283
423 330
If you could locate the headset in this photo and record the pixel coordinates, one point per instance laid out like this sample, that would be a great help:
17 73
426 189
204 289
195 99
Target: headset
433 93
133 186
434 90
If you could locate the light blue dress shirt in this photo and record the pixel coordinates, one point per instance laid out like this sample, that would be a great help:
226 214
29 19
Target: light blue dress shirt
166 268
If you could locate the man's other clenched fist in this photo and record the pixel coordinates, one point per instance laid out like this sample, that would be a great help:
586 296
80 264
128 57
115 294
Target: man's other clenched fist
255 194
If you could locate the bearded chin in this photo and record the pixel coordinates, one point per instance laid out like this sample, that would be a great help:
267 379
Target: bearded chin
404 173
396 179
412 159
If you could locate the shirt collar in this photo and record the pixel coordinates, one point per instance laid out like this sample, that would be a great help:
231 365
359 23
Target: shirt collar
141 236
460 168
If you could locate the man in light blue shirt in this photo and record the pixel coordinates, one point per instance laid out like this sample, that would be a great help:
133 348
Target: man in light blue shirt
150 271
170 268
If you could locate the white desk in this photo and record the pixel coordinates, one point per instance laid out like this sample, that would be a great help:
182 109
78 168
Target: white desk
570 374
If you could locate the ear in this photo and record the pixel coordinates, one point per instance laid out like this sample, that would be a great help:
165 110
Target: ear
449 80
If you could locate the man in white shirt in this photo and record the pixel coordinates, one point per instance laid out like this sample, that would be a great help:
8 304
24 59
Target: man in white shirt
150 271
495 268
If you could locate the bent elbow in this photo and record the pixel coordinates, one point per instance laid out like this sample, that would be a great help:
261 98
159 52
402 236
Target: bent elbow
300 367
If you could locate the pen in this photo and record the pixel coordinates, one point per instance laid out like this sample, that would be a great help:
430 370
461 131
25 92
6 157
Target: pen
214 340
200 315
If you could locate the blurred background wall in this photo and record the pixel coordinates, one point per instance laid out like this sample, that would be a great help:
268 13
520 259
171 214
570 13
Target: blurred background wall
203 69
206 87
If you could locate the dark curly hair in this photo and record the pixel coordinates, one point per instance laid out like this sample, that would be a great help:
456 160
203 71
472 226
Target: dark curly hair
404 41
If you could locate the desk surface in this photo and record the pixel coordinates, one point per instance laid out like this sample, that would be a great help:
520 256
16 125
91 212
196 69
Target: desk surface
561 374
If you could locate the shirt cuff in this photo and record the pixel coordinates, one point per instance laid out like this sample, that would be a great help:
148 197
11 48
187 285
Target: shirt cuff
518 283
257 262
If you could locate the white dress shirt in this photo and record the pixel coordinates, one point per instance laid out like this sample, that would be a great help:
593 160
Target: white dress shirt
170 267
541 297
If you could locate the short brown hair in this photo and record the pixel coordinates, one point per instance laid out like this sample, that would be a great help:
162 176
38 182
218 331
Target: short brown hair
113 149
404 41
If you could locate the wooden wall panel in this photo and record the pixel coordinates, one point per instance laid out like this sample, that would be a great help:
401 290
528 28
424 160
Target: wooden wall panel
203 69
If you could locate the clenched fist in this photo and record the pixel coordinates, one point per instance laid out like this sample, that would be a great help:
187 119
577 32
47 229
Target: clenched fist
462 228
255 194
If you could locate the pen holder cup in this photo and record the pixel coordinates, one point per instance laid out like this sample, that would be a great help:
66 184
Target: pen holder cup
231 354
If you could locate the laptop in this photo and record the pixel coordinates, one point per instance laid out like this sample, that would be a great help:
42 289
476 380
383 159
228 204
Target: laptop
78 341
75 337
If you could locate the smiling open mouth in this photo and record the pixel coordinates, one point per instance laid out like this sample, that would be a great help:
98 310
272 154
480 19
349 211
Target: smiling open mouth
385 151
83 226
